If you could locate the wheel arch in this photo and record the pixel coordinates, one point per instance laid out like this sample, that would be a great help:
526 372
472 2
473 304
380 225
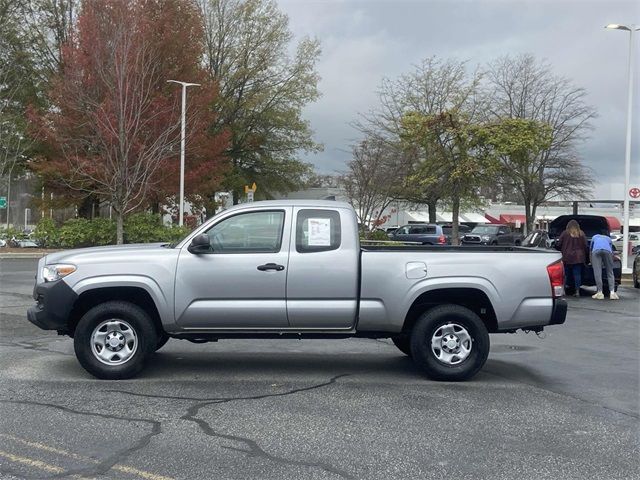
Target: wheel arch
472 298
137 295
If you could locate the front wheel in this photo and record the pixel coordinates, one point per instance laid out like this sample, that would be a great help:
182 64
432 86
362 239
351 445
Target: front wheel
450 343
112 340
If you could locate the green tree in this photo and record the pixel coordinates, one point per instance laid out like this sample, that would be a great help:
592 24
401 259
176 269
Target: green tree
433 87
518 143
263 89
455 158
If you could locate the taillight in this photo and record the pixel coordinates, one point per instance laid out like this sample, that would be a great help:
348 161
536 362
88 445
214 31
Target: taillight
556 278
442 240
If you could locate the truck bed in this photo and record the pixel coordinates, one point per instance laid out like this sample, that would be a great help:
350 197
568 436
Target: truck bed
451 248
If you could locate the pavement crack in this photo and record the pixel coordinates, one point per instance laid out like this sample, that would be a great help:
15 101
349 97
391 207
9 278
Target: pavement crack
104 465
253 449
213 400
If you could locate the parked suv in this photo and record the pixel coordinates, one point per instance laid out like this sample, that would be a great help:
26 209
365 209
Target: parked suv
426 234
492 235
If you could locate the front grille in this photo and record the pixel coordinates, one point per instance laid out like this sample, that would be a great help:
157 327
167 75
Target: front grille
471 239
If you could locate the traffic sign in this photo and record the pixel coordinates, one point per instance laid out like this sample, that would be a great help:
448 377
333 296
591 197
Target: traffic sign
634 192
3 202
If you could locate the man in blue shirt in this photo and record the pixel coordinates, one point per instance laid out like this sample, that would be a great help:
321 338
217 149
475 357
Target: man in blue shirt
602 254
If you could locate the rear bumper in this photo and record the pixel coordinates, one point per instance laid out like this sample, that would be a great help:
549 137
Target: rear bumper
559 312
54 303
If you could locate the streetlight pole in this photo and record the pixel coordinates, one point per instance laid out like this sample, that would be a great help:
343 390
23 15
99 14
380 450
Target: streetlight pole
627 156
182 142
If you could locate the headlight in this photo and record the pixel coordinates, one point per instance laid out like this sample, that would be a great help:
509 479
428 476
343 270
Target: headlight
486 238
51 273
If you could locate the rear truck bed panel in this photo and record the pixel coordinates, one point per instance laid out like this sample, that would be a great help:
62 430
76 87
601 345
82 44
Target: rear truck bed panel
514 280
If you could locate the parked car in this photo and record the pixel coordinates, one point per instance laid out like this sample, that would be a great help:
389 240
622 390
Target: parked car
537 239
3 243
294 269
636 271
462 231
26 244
426 234
615 237
492 235
590 225
634 241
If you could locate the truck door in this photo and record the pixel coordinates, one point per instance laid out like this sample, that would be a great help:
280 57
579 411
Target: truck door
324 261
241 282
504 237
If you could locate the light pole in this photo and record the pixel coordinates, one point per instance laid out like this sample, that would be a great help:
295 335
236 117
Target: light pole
182 141
627 156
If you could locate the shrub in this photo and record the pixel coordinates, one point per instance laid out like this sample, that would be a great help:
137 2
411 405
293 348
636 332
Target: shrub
47 234
103 231
377 235
76 233
143 228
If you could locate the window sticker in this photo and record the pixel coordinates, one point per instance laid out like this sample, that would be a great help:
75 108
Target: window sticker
319 232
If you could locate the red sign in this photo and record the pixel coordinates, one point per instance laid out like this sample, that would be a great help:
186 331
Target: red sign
634 192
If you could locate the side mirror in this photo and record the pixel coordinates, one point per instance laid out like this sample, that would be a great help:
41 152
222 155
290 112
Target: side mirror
200 244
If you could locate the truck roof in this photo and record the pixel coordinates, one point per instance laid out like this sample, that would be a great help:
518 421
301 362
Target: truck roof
292 203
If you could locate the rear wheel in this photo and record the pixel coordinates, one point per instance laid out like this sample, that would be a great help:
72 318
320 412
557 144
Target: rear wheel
112 340
636 281
403 342
450 343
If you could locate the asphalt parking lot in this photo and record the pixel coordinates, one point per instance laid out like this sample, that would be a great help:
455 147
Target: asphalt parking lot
565 406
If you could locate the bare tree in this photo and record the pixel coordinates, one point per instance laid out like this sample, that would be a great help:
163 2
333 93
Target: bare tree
375 174
525 88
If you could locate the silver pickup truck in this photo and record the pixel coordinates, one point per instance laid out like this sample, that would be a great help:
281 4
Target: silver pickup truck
294 269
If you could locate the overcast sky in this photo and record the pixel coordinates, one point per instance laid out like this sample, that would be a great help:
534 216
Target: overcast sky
364 41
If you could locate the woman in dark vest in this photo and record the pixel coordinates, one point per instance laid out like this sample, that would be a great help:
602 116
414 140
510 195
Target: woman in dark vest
573 245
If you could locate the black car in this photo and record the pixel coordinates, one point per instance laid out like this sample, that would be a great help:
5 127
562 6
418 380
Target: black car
636 271
591 225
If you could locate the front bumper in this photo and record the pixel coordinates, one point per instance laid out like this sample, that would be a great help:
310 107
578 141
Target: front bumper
55 301
559 312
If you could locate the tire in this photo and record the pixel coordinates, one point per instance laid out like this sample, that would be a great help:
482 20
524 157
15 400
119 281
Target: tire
403 342
163 338
494 243
636 281
128 326
518 243
449 321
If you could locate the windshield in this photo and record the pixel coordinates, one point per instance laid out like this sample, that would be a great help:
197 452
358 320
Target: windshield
485 230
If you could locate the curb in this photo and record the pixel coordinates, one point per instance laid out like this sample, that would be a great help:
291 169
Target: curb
4 256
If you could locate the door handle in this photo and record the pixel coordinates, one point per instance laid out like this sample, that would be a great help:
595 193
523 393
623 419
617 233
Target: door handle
270 266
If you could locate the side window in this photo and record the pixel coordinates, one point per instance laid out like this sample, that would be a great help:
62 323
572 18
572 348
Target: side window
402 231
254 232
317 231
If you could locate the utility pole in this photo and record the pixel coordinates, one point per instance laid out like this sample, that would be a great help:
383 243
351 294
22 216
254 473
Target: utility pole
182 143
627 155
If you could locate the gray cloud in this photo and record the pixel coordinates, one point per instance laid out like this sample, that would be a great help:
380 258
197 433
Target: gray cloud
364 41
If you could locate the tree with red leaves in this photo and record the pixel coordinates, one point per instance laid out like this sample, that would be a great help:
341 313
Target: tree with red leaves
114 130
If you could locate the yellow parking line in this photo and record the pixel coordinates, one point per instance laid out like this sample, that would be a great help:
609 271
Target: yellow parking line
65 453
32 463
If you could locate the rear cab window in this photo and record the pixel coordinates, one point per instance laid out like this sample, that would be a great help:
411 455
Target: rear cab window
318 230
